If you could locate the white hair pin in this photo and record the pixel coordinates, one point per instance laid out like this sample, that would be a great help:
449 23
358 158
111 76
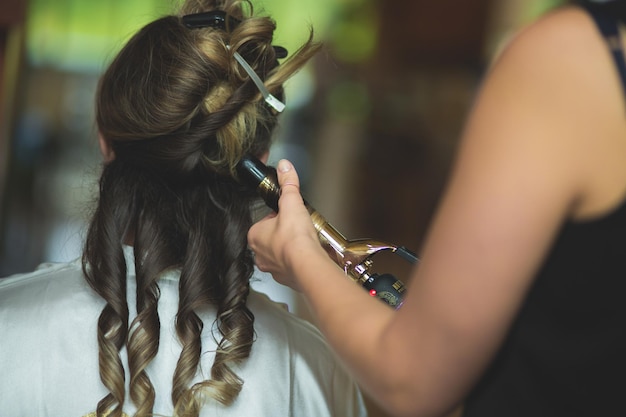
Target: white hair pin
218 19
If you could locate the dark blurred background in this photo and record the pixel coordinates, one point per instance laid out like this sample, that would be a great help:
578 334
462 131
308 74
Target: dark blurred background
372 123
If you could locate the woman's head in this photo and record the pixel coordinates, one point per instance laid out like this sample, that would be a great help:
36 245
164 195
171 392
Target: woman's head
175 100
177 112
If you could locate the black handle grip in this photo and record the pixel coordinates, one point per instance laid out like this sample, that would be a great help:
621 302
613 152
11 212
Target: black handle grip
260 177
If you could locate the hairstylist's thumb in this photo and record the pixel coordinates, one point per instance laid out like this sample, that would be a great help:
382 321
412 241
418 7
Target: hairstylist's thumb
287 178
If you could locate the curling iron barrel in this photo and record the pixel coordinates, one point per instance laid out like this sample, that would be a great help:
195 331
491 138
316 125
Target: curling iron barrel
353 256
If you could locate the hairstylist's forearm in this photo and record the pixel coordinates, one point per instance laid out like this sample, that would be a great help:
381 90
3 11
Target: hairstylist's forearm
358 327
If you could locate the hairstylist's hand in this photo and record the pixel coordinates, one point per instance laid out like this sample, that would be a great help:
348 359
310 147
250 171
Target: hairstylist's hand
279 240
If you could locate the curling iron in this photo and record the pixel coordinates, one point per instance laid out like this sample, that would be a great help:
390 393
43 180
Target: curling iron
353 256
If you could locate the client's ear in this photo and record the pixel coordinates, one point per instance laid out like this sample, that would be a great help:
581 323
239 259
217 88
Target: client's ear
105 149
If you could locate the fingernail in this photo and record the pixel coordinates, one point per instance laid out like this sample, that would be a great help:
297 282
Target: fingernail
284 165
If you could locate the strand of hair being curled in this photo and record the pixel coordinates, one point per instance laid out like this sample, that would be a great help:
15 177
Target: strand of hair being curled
179 113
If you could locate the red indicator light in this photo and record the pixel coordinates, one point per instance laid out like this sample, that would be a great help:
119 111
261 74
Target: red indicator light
372 292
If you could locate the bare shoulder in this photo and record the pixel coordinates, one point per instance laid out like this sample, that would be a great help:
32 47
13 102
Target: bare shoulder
564 52
562 33
561 73
561 49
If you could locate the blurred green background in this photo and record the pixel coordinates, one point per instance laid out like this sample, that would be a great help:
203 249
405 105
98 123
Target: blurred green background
77 35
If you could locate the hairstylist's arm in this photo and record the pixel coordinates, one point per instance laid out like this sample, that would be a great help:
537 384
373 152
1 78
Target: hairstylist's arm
527 161
287 245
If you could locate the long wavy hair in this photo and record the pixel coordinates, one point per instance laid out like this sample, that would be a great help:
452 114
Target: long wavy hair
179 112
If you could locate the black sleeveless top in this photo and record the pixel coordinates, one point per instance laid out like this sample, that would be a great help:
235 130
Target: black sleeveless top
566 352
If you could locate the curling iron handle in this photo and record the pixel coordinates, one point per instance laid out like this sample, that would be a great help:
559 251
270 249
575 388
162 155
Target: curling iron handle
265 181
352 256
262 178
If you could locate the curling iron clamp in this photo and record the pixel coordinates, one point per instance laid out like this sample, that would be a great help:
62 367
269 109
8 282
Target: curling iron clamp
353 256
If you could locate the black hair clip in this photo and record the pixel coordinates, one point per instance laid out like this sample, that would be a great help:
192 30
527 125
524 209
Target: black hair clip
218 19
280 51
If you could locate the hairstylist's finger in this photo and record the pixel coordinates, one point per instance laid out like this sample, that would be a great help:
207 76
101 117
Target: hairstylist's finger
287 177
